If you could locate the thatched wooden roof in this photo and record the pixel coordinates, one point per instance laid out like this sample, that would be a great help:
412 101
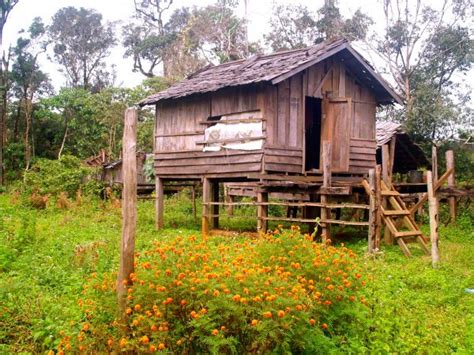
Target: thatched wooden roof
408 154
274 68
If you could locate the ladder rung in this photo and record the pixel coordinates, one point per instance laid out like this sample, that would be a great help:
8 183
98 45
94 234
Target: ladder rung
390 193
396 213
407 234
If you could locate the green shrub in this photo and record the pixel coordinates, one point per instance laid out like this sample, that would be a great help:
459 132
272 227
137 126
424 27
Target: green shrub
55 176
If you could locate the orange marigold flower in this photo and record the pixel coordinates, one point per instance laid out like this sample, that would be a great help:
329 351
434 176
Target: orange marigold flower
330 287
312 322
137 307
324 326
215 332
327 303
236 298
86 327
254 322
358 276
352 298
144 339
123 343
327 279
215 293
154 328
299 307
161 346
152 348
281 313
223 328
184 302
267 314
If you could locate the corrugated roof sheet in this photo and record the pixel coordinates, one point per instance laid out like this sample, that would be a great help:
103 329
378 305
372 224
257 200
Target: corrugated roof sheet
385 130
259 68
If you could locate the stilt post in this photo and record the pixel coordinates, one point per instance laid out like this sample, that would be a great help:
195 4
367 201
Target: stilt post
451 184
372 212
206 198
159 202
433 209
215 208
434 163
325 212
129 208
378 203
262 211
386 168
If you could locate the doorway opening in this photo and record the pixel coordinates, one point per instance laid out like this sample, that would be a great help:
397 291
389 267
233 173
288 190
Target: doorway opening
313 117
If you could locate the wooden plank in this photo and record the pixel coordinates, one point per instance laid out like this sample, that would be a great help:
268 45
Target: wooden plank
283 147
283 112
159 203
386 164
325 221
295 116
378 202
325 213
396 213
282 167
282 159
355 157
243 169
129 208
406 234
339 190
284 153
215 208
370 189
434 215
201 154
363 163
361 150
215 160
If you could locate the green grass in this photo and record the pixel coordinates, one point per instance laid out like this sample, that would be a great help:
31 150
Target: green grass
46 255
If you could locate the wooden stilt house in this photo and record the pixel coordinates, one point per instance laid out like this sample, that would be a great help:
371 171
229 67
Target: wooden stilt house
272 114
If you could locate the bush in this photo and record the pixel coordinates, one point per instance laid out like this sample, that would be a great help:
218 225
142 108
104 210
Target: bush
55 176
281 292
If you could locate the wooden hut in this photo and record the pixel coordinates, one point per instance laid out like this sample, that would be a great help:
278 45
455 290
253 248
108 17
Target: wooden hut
267 118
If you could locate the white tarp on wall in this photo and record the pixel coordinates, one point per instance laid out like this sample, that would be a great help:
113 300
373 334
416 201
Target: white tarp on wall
241 136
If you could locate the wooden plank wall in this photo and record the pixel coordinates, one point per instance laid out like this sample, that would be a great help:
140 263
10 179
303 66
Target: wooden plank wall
179 128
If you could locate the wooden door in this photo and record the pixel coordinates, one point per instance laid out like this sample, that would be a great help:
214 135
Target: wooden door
336 128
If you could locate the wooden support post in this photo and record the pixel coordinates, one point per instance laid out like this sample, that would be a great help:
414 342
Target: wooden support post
229 199
386 168
215 208
262 212
325 212
159 202
193 197
433 208
378 203
372 212
129 208
206 197
451 184
434 164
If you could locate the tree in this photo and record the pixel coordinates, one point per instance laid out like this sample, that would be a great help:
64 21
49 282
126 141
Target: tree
28 80
147 42
295 26
6 6
81 45
423 48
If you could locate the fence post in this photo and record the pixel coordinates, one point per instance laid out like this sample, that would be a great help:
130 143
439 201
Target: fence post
129 208
262 211
372 212
206 198
378 204
325 212
159 202
433 209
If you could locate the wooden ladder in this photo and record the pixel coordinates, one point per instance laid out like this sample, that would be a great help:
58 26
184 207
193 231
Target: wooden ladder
399 221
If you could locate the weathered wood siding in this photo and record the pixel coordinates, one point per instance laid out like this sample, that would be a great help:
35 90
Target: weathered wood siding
180 130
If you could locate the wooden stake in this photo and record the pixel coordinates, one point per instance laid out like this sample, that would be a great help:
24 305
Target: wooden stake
378 203
262 212
129 208
326 213
386 168
372 212
206 197
159 202
434 164
451 184
215 208
193 197
433 208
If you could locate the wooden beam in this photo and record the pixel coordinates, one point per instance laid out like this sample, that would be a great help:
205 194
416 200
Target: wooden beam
433 209
215 208
451 185
262 212
129 208
386 168
326 213
159 202
378 203
206 197
372 212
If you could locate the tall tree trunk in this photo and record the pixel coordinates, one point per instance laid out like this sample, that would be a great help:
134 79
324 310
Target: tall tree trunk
63 143
27 134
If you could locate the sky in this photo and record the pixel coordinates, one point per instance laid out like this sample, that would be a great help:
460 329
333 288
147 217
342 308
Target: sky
257 12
